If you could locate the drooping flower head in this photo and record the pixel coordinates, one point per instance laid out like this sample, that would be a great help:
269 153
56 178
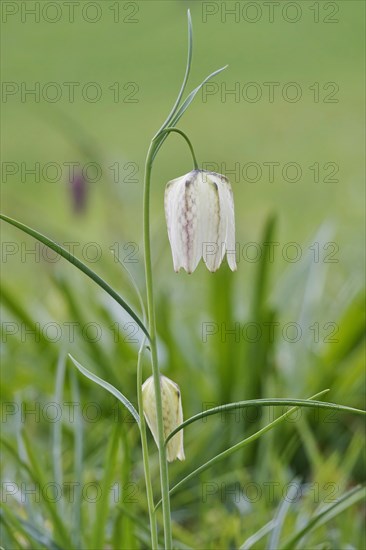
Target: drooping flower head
199 209
172 414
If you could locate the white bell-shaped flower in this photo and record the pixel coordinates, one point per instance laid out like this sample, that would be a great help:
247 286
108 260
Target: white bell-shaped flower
199 209
172 414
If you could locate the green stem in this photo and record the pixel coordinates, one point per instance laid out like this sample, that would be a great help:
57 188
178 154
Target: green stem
145 453
164 479
181 133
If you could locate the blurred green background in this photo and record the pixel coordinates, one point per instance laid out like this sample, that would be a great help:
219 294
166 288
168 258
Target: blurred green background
139 48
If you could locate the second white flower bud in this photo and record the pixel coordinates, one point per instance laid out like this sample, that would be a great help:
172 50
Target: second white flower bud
172 414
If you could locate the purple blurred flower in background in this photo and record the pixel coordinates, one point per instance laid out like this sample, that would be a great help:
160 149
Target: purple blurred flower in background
79 192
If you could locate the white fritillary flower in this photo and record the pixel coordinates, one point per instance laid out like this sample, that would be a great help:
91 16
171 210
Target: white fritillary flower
199 209
172 414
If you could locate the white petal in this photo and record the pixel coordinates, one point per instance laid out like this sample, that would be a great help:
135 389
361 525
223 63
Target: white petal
230 235
183 223
180 448
171 192
149 407
227 235
211 222
173 416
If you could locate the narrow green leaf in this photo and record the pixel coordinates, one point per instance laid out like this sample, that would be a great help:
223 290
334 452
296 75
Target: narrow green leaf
16 309
138 520
186 75
38 476
283 508
77 263
261 280
234 448
76 526
17 459
107 386
102 508
265 403
192 95
254 381
17 523
100 355
262 532
160 138
57 428
134 284
345 501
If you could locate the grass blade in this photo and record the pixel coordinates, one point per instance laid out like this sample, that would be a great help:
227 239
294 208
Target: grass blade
283 508
57 428
193 94
77 263
16 523
17 459
134 284
348 499
162 137
262 532
186 75
102 504
76 528
38 477
262 276
234 448
266 403
107 386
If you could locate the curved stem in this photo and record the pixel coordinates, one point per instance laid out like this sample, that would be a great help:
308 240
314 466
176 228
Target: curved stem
145 453
164 479
181 133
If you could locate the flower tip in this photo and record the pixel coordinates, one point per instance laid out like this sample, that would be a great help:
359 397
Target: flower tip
173 455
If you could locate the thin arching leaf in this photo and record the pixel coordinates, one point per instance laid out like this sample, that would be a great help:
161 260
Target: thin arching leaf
192 95
107 386
280 402
186 75
77 263
160 138
240 445
134 284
